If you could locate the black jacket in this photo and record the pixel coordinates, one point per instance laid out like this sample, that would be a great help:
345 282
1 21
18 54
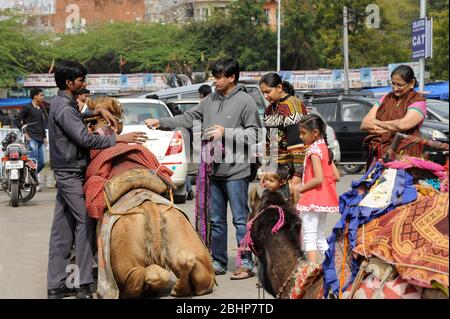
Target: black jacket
69 139
30 114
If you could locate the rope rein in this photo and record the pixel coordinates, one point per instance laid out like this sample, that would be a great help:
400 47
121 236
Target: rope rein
246 244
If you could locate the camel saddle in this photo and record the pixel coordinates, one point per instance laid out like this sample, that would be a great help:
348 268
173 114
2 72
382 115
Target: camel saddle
133 179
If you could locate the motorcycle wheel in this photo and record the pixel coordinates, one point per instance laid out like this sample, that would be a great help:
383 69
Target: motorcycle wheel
28 192
14 193
352 168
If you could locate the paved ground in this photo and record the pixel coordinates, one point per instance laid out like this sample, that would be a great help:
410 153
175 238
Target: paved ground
24 236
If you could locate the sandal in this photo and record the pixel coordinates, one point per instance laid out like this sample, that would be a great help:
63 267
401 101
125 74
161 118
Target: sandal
242 273
218 272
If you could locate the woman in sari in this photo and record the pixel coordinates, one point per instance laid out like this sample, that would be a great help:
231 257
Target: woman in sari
402 110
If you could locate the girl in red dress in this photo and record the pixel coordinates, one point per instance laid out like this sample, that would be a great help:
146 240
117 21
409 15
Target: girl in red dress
318 195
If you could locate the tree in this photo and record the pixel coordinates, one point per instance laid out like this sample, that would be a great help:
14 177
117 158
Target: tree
389 43
242 33
19 50
144 47
439 63
298 36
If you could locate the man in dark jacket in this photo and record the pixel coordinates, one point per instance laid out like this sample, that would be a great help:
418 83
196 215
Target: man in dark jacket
70 143
33 114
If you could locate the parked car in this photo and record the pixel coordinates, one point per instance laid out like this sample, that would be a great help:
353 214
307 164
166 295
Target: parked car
255 150
167 146
304 94
437 110
344 114
194 158
191 92
333 143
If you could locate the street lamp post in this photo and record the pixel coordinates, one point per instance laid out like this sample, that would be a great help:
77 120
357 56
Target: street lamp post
279 37
346 77
423 14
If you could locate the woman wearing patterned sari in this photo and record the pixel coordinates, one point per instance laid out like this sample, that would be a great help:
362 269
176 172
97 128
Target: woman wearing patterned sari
284 113
403 110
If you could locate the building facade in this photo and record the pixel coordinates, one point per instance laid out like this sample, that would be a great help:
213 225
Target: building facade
74 16
270 8
205 8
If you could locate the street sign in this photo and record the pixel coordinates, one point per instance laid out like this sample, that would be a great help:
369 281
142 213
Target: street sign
422 38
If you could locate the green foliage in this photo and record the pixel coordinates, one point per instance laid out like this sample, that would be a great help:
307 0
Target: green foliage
298 49
19 50
311 38
144 47
439 63
243 34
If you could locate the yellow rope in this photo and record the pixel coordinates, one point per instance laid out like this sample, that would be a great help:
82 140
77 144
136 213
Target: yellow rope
170 206
344 260
108 204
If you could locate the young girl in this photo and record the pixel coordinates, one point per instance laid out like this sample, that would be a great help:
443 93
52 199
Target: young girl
317 192
277 181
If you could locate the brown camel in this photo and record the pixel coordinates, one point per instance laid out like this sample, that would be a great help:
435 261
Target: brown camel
149 241
150 238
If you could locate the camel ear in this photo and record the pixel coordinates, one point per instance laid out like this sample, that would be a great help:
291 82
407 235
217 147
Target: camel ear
254 198
91 104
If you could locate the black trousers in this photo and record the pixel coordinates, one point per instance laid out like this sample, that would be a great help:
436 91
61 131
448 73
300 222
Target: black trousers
71 225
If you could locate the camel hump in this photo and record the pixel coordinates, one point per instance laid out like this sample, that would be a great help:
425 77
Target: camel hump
137 178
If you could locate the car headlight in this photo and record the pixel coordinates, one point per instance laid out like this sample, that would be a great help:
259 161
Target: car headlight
430 133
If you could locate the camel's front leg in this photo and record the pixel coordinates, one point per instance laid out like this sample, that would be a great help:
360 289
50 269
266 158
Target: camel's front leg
141 280
184 264
156 277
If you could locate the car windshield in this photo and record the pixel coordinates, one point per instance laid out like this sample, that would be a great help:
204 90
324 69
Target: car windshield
326 109
136 113
186 106
255 93
440 107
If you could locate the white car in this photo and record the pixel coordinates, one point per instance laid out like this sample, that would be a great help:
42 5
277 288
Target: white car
167 146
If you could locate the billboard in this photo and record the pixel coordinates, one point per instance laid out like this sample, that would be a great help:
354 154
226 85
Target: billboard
33 7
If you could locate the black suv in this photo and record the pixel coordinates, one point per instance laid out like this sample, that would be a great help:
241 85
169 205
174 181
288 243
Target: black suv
344 113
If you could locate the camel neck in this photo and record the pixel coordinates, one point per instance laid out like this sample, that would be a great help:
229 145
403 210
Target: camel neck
285 262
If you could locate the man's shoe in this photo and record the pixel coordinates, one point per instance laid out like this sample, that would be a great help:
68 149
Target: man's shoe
84 292
190 195
61 292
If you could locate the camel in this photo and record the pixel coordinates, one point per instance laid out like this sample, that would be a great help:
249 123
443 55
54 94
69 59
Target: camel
148 235
279 255
139 269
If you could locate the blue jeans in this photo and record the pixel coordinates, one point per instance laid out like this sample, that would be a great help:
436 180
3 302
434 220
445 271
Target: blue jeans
188 184
36 150
236 192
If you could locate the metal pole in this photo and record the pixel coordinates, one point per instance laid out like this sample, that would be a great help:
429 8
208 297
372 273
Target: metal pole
423 14
279 37
346 80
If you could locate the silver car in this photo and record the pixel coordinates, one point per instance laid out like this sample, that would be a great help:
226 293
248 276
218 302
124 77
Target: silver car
437 110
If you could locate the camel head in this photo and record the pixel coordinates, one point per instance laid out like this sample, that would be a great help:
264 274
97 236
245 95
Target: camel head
277 252
113 106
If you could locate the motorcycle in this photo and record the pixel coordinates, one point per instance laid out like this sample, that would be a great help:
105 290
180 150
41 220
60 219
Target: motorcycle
18 174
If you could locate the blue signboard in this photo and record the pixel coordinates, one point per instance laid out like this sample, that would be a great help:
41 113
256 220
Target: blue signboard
419 39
